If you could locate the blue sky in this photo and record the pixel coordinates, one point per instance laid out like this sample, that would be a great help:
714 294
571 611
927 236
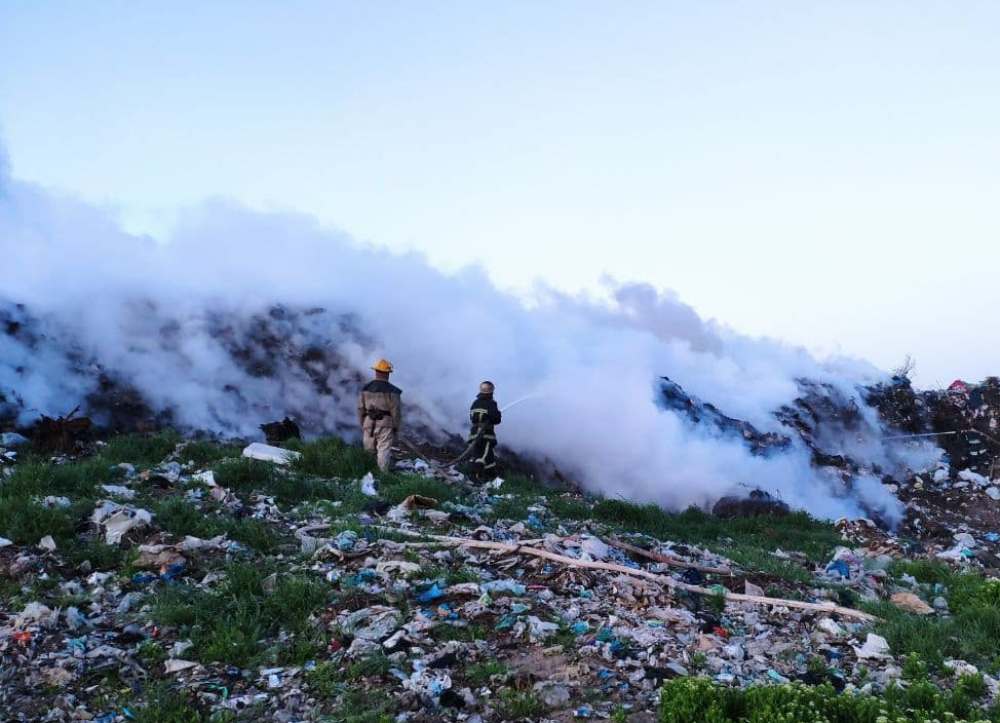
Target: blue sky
826 173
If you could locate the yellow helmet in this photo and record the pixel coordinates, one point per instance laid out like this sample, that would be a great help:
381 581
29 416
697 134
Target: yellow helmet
383 365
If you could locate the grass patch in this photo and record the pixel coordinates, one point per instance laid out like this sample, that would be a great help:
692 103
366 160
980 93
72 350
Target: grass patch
569 508
970 633
395 488
762 561
525 486
249 475
330 457
517 704
203 453
358 706
245 475
796 531
511 508
699 700
445 632
179 517
165 705
481 673
26 522
100 555
141 450
226 625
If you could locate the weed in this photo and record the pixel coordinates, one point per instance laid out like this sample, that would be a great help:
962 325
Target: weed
511 508
140 449
716 602
395 488
480 674
817 666
516 704
255 534
568 508
693 700
969 634
203 453
359 706
100 555
331 458
797 531
164 705
244 475
151 653
463 633
227 625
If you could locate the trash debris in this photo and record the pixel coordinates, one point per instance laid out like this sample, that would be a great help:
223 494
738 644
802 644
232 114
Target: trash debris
60 434
267 453
875 647
47 544
117 520
278 432
911 603
411 504
368 485
12 439
462 607
170 667
757 503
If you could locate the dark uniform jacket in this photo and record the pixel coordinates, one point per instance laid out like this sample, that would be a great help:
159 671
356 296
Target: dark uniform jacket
484 414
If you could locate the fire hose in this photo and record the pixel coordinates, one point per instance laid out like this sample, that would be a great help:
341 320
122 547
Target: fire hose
472 442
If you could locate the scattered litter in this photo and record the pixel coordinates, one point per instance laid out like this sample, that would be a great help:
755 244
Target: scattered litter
368 485
875 647
911 603
176 665
12 439
267 453
47 544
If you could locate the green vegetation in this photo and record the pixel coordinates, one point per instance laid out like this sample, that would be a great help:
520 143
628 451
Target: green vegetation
395 488
227 624
480 673
162 704
329 679
699 700
797 531
142 450
970 633
203 453
749 542
517 704
361 706
463 633
179 517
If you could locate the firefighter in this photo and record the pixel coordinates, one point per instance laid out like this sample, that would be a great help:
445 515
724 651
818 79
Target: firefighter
379 414
484 415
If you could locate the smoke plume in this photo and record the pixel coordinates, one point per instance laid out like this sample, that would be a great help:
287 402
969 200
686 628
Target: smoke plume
165 316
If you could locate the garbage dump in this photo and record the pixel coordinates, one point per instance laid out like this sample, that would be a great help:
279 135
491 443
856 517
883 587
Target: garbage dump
145 573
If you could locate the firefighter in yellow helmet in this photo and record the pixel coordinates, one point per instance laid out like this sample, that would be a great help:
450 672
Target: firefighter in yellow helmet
379 414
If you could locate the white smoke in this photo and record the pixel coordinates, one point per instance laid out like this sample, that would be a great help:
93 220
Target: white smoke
591 364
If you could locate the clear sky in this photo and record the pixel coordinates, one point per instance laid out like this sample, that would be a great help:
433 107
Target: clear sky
823 172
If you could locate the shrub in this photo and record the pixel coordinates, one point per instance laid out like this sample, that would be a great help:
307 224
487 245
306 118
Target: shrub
699 700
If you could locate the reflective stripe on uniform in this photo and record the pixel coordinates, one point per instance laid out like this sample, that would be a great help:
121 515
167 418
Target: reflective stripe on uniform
486 453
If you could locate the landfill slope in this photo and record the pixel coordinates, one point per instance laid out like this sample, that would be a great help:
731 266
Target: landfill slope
156 578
